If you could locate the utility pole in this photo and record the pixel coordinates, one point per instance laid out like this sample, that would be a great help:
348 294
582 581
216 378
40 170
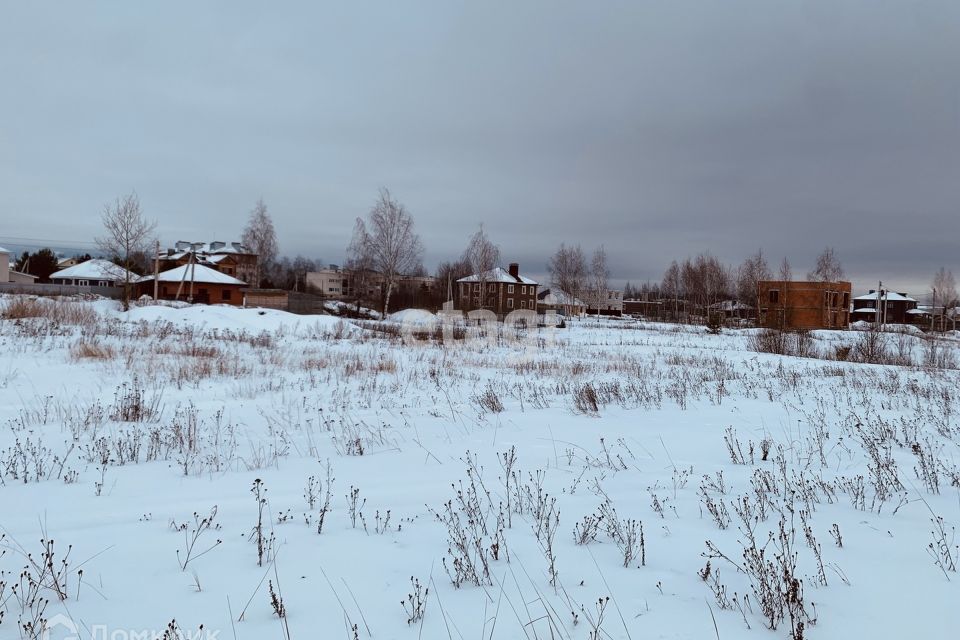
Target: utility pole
933 309
156 272
876 319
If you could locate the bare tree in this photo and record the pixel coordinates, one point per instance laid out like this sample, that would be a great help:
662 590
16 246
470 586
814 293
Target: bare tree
389 242
359 265
568 270
128 234
828 267
672 286
751 272
786 272
447 275
482 256
945 292
261 238
599 275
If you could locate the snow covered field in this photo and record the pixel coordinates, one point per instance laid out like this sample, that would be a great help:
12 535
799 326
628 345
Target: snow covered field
176 467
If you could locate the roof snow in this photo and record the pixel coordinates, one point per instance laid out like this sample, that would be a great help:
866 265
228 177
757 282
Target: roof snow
559 296
95 269
2 250
891 296
497 275
196 273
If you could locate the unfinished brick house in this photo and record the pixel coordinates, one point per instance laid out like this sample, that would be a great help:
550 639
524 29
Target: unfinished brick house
501 291
793 305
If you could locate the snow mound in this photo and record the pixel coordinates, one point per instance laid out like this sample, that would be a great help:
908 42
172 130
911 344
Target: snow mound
414 316
225 317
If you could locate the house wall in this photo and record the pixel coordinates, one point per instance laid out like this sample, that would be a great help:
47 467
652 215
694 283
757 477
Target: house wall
203 293
4 266
330 283
499 297
896 310
804 305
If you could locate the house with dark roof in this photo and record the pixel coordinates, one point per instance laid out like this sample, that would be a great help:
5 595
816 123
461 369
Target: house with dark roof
499 290
885 307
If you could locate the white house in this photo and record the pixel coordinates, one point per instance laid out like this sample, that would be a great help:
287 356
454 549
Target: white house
93 273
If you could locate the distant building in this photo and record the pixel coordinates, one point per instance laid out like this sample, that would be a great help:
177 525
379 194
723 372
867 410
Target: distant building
885 307
96 272
795 304
561 302
232 258
498 290
612 304
195 283
332 282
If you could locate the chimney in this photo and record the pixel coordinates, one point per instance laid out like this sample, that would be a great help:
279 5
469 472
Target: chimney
515 270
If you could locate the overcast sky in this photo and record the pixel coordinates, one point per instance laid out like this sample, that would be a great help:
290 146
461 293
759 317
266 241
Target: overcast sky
659 129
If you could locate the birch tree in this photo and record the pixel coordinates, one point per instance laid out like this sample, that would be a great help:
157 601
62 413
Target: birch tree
568 270
261 238
388 242
828 267
599 275
482 256
127 234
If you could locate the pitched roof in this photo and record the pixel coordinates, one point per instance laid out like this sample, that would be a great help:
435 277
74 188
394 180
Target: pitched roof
95 269
196 273
2 250
891 296
497 275
559 296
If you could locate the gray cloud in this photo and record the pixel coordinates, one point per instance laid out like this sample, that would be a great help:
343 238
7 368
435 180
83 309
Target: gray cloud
660 129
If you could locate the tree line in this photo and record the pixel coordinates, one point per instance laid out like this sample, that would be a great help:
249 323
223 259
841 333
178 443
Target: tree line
384 249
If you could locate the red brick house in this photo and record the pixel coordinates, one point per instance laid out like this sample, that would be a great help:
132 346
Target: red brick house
795 304
498 290
195 283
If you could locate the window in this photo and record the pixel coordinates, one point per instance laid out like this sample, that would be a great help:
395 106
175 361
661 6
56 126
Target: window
774 296
523 304
491 287
476 287
83 283
846 300
509 288
509 303
225 294
523 289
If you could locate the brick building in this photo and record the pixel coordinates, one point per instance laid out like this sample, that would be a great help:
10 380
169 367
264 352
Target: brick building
232 258
195 283
501 291
893 307
803 304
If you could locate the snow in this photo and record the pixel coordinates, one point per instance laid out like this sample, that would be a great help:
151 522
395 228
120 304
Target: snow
891 296
195 273
247 394
414 317
94 269
498 274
